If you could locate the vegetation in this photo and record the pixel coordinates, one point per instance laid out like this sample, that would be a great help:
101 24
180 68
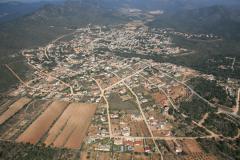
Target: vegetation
210 90
222 125
44 25
195 108
187 129
219 20
224 150
116 103
7 80
9 150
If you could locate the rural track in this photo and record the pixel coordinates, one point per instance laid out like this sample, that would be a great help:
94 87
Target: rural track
140 108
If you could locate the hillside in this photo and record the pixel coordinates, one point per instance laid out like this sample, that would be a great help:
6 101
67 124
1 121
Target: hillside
220 20
44 25
48 22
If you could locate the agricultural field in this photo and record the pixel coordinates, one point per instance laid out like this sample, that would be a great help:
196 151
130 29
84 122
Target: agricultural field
74 132
108 92
40 126
11 129
52 123
13 109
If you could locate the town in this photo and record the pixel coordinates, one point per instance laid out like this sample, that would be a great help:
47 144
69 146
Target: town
137 107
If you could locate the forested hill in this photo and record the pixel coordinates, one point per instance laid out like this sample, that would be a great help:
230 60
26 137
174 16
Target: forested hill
50 21
12 10
220 20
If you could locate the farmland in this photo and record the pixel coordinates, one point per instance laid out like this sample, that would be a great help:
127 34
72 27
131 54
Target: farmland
11 129
70 129
14 108
54 123
39 127
97 95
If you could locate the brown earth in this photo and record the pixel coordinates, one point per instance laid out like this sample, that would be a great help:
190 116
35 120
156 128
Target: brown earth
61 122
161 98
70 129
41 125
86 112
13 109
191 146
178 92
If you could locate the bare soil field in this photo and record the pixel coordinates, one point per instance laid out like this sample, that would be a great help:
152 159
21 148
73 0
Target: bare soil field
191 146
139 128
70 129
104 156
59 125
141 157
86 112
160 98
84 155
11 129
13 109
179 92
5 103
125 156
201 156
41 125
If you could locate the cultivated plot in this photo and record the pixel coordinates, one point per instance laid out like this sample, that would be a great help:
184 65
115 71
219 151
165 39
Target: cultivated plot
70 129
40 126
13 109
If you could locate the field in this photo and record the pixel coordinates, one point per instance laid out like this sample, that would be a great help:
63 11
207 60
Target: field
177 93
70 129
160 98
54 123
191 146
12 128
13 109
5 102
40 126
116 103
139 128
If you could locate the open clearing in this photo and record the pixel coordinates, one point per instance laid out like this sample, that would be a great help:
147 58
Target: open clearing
86 112
70 129
40 126
13 109
191 146
12 128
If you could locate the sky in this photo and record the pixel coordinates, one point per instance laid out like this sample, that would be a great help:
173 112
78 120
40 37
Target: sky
26 0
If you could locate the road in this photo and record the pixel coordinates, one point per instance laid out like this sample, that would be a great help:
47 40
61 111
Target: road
212 105
185 116
169 98
144 118
122 80
209 131
203 119
140 109
104 97
199 96
236 110
25 84
66 84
